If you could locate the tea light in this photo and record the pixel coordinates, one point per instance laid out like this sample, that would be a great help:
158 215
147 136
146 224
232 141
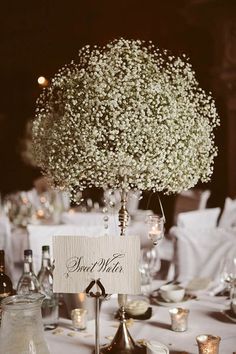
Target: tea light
179 319
156 228
79 319
208 344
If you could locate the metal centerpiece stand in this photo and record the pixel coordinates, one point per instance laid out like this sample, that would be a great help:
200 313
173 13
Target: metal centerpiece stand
122 342
99 294
76 108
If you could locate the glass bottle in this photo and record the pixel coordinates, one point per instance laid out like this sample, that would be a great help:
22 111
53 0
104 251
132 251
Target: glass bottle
50 303
28 282
22 329
5 281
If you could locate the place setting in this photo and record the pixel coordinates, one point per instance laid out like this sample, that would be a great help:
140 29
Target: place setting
172 293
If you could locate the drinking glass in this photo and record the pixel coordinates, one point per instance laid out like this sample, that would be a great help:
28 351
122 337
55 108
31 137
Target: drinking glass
79 319
179 319
208 344
150 261
228 272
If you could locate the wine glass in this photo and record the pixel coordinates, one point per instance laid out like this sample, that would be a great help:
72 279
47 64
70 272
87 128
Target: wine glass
228 272
150 261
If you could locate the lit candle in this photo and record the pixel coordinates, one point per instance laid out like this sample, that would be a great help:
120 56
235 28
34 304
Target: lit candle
155 234
79 319
179 319
156 228
208 344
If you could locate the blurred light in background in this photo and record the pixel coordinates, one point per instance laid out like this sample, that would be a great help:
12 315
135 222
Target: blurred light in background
42 81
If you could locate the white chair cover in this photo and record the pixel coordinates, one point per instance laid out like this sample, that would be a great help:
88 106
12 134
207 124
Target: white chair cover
5 243
228 217
199 251
202 218
192 199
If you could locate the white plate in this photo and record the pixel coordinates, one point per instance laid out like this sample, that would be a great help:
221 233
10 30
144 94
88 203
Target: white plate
160 301
154 347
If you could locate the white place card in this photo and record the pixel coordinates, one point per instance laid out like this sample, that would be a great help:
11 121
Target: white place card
80 260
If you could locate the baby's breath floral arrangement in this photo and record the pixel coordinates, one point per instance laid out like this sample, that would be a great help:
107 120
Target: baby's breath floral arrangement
126 115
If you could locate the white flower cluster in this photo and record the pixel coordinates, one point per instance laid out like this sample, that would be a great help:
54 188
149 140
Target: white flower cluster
126 115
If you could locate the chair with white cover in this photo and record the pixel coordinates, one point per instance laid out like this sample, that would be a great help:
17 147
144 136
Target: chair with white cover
5 243
228 217
200 250
192 199
206 217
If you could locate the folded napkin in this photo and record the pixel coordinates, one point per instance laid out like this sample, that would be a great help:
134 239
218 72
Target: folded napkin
154 347
198 284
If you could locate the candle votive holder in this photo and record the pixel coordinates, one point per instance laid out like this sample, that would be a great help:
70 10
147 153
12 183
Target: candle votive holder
208 344
179 319
155 228
79 319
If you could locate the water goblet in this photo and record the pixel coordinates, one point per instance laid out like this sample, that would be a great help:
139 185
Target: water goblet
228 272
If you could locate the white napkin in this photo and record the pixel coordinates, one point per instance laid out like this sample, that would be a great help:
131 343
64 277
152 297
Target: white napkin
154 347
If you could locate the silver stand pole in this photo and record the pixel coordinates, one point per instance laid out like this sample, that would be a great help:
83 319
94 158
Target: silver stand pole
98 295
97 327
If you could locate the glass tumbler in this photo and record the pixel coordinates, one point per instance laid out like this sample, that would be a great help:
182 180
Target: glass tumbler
79 319
208 344
179 319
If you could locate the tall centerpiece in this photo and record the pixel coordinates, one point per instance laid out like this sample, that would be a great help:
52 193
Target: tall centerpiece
125 116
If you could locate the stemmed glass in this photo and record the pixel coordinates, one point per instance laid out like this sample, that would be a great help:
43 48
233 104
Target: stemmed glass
150 264
228 272
150 261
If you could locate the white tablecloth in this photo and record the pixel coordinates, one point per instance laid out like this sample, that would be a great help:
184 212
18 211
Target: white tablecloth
205 318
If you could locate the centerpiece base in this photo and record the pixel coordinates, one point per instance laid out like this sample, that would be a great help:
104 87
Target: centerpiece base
137 349
123 343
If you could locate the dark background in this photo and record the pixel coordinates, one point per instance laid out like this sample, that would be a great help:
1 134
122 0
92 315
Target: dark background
38 37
